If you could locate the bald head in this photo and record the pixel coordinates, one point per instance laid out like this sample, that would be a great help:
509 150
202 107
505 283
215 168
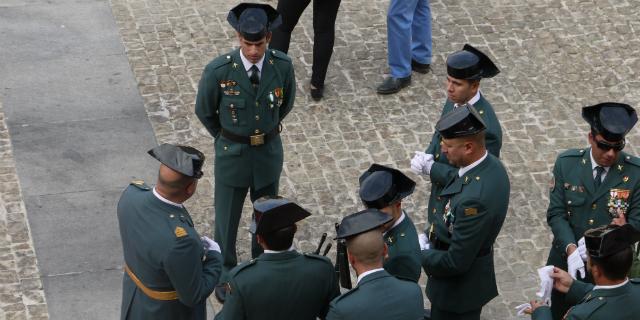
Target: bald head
367 249
174 185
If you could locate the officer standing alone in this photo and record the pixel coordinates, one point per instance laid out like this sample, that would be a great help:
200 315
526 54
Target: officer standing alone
243 97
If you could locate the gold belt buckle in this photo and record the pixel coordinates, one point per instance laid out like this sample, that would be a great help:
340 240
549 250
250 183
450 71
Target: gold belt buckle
257 140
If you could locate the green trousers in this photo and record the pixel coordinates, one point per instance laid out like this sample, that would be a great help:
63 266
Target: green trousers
228 203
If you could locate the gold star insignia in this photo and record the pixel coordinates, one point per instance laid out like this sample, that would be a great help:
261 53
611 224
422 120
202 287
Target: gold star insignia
270 61
620 167
625 178
235 65
584 161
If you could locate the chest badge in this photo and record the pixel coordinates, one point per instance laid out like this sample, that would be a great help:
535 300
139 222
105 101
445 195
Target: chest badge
618 202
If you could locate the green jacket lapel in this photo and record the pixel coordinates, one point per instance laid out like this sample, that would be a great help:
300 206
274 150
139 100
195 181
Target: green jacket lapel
587 173
267 74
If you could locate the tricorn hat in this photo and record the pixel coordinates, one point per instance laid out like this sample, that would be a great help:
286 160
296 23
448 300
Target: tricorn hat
362 221
254 20
381 186
272 214
461 121
612 120
470 64
608 240
183 159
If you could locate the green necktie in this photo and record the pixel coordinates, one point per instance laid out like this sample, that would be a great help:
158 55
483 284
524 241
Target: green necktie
598 178
254 77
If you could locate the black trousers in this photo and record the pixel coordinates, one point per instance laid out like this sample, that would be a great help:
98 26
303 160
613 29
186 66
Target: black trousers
324 27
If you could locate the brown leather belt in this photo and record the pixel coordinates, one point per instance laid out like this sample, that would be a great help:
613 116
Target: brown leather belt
153 294
254 140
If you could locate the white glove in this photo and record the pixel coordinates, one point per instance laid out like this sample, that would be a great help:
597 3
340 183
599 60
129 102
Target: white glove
546 284
210 245
521 308
422 162
582 248
575 265
424 242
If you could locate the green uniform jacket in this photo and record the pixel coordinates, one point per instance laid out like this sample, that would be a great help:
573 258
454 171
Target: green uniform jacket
379 295
462 279
284 285
227 101
163 258
576 206
600 304
404 251
442 171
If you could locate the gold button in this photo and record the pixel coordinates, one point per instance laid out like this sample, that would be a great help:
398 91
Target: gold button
257 117
434 210
569 202
231 105
590 221
225 148
257 104
257 131
594 206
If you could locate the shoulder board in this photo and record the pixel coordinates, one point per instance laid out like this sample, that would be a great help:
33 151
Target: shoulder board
280 55
573 153
632 160
346 294
403 278
586 309
221 61
140 184
243 266
317 257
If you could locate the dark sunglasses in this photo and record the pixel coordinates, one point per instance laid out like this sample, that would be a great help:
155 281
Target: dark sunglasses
606 146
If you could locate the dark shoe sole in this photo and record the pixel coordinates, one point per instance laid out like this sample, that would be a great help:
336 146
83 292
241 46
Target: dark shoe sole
420 67
394 90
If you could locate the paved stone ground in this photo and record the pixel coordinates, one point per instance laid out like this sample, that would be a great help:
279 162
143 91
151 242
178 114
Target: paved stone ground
556 56
21 293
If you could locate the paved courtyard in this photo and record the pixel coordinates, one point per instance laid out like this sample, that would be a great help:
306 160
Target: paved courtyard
555 55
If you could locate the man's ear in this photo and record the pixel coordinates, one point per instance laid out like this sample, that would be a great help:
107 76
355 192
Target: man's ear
191 188
269 36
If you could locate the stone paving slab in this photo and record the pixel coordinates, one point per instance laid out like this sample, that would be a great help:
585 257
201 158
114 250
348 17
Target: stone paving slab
21 292
555 55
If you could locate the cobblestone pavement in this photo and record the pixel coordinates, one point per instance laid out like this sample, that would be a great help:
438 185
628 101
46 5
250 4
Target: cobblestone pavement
556 56
21 293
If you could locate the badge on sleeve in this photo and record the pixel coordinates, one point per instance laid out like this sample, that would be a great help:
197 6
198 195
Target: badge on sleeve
180 232
470 212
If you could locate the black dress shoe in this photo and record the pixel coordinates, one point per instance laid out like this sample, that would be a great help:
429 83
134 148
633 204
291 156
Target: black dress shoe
393 85
220 292
420 67
317 93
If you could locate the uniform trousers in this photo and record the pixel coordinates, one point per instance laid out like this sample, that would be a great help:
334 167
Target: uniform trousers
228 203
408 35
324 27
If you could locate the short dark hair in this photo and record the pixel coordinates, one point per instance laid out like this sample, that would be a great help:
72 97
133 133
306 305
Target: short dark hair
616 266
281 239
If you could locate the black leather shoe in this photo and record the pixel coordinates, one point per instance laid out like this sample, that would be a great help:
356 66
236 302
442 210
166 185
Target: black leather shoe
393 85
317 93
220 292
420 67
